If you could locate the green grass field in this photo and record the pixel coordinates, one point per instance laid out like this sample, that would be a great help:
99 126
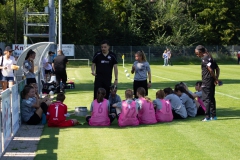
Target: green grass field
180 139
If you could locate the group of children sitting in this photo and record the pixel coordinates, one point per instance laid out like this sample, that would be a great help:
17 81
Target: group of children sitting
35 108
169 104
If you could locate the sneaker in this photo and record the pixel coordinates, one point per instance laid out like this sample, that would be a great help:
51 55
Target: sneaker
205 119
213 118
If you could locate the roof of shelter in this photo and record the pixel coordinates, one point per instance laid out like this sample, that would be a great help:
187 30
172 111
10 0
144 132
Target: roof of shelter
41 49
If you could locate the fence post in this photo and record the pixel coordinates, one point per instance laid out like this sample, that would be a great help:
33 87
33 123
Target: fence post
149 50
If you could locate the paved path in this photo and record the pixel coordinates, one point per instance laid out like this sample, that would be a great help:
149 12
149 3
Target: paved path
24 144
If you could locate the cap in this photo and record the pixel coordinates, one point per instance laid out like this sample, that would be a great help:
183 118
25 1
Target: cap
8 48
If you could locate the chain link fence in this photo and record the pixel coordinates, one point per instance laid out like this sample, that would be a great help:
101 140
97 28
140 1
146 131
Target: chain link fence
153 53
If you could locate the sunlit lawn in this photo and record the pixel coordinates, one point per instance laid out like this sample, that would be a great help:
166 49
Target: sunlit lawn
180 139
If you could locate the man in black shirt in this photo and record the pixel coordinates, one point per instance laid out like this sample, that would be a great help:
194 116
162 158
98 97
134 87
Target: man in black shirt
210 74
102 65
59 67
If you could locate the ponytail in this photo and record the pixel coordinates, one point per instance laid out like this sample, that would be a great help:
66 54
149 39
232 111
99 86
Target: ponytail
101 93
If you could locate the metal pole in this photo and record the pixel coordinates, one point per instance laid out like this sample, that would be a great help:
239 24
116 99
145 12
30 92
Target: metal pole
51 10
15 21
60 25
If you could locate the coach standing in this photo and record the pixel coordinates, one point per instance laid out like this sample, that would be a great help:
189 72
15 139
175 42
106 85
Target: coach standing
102 65
59 67
210 74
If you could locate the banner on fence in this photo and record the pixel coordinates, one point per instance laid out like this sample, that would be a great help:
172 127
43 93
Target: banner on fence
15 109
6 118
68 49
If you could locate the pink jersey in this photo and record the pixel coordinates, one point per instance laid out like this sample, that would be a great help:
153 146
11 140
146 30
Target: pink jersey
146 115
128 116
165 113
201 103
100 114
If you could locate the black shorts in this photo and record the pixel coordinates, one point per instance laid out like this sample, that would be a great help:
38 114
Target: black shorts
34 120
48 71
137 84
31 80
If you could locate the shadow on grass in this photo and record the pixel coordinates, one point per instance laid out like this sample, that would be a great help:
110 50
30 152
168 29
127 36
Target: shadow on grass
48 144
87 86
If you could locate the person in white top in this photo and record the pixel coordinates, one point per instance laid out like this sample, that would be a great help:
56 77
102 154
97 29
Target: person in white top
47 69
7 61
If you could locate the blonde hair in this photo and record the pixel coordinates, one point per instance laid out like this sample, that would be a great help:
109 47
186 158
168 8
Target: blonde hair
142 54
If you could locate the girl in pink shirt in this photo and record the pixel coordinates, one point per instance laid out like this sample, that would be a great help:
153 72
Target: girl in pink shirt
146 113
163 108
100 111
127 110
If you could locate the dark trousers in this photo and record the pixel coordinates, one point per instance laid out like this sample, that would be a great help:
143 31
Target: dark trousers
137 84
169 61
102 83
60 75
208 93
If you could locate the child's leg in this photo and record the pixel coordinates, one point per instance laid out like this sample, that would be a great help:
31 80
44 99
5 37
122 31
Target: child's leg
176 116
10 84
112 117
118 110
88 118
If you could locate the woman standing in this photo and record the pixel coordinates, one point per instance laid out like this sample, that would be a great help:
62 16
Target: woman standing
7 70
142 71
28 67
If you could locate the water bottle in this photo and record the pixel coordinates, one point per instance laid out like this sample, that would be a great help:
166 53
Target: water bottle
51 93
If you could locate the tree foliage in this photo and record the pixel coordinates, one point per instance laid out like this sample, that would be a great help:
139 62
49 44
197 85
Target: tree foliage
133 22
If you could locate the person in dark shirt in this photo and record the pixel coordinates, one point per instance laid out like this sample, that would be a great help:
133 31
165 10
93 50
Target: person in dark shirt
102 65
210 75
59 67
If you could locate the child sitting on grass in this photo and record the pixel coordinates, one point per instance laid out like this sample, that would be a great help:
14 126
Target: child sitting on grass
57 113
198 95
31 108
100 108
146 112
178 109
113 98
163 108
127 110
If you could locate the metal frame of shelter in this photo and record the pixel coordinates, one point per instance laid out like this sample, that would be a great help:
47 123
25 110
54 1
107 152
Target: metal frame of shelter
41 49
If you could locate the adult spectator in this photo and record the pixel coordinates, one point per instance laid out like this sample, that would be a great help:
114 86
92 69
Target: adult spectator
209 80
59 68
28 67
51 56
169 57
142 71
7 69
47 69
238 56
102 65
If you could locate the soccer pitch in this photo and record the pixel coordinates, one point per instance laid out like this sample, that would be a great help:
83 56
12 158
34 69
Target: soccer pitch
180 139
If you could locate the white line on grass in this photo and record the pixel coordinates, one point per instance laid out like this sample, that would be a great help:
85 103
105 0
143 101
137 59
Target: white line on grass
191 85
163 78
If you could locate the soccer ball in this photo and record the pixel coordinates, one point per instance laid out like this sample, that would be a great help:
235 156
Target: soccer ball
125 71
127 74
